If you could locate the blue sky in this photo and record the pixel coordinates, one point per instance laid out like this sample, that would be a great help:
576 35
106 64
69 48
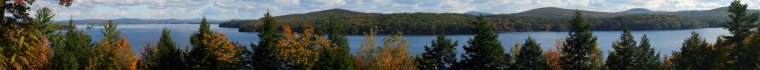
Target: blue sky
252 9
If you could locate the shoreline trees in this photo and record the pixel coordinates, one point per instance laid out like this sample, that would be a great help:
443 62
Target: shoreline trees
29 44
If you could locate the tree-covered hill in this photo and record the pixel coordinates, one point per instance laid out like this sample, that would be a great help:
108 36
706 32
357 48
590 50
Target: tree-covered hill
540 19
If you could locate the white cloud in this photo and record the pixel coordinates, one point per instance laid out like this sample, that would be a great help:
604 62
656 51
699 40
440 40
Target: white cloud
252 9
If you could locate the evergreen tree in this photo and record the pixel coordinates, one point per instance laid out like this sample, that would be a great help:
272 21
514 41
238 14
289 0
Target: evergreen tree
166 55
647 58
439 56
624 57
71 50
581 51
338 56
113 51
212 51
741 27
263 53
530 57
693 54
484 52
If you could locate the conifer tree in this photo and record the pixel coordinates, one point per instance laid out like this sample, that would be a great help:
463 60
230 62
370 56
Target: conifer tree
114 52
484 51
166 55
264 57
531 57
624 56
338 56
440 55
693 54
581 51
647 58
71 50
742 25
212 51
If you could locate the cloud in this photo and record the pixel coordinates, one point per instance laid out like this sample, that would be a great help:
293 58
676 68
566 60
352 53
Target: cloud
253 9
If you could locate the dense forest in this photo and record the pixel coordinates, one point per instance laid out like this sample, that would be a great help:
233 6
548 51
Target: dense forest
28 43
540 19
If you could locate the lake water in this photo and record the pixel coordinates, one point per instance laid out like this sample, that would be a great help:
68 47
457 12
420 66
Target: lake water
664 41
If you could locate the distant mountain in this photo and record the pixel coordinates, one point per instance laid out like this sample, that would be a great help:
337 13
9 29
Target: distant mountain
539 19
560 12
141 21
477 13
636 11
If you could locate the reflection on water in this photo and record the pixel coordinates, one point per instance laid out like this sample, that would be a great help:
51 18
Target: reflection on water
664 41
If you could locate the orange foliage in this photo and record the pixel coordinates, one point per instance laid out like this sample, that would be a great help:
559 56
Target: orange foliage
119 54
394 55
221 47
552 55
301 49
24 48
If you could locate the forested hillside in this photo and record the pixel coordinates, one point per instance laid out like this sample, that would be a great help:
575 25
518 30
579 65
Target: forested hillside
540 19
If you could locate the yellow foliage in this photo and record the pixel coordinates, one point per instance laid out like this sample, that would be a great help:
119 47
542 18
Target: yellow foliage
221 47
392 56
302 49
117 55
24 48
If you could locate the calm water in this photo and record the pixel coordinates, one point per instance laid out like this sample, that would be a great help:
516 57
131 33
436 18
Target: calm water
664 41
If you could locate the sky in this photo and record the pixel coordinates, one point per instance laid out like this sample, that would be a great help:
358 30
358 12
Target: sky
253 9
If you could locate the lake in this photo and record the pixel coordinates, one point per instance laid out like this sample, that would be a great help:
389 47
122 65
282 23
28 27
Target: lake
664 41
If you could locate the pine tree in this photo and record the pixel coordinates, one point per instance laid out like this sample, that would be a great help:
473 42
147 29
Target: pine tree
212 51
531 57
625 55
114 52
71 50
693 54
484 52
581 51
23 42
741 27
439 56
647 58
264 57
337 57
166 55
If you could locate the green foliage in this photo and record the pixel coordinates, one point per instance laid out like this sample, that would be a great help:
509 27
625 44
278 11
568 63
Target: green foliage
628 55
530 57
71 50
212 51
694 54
264 52
624 56
741 26
113 51
165 56
581 51
484 51
455 23
647 58
338 56
440 55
